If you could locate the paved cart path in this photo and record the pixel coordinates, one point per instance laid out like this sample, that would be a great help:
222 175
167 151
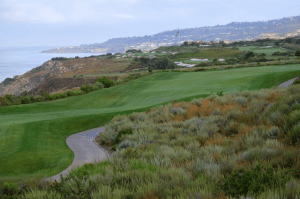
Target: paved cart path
85 149
287 83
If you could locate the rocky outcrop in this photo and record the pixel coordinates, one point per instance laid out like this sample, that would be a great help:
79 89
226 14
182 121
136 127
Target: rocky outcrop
63 71
32 78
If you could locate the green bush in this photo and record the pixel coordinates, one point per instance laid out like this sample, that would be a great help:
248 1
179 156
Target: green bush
253 181
297 53
163 63
25 100
106 82
10 188
70 93
8 97
86 88
39 98
99 85
294 134
121 133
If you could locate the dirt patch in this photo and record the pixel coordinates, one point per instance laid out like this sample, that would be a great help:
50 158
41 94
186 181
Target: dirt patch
272 97
54 84
206 108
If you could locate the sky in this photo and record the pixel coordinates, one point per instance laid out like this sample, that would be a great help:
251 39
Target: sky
74 22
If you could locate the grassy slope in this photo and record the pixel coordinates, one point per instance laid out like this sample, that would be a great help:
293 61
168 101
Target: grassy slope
23 129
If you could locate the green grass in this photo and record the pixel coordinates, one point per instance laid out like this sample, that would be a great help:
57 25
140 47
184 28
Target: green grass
33 136
208 54
257 49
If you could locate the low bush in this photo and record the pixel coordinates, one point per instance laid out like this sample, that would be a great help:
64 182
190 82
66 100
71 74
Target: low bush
121 133
89 88
294 134
253 181
273 133
106 82
10 189
99 85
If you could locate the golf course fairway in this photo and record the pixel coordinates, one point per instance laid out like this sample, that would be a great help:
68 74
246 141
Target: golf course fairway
33 136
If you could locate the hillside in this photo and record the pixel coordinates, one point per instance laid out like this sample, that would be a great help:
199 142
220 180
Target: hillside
61 68
235 31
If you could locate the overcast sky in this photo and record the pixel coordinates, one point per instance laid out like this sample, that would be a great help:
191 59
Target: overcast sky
76 22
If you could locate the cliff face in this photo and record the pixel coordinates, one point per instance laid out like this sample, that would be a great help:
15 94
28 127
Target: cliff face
62 70
32 78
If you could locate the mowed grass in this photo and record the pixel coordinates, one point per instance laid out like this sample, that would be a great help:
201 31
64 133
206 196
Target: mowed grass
33 136
257 49
208 54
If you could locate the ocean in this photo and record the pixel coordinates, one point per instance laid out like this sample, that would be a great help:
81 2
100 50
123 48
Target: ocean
18 60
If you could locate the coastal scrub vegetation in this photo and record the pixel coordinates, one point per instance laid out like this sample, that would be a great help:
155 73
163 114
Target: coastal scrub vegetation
237 145
102 82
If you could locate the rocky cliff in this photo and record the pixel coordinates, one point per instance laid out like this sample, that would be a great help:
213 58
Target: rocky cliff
60 69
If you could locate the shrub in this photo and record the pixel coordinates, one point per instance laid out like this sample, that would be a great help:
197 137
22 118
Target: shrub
10 188
125 144
234 113
25 100
273 133
37 194
177 111
297 53
163 63
197 102
99 85
78 92
253 140
139 117
70 93
74 187
211 169
253 181
294 134
241 100
121 133
86 88
232 129
106 82
95 87
39 98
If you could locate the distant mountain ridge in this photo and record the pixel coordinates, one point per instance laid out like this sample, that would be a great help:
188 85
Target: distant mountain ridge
234 31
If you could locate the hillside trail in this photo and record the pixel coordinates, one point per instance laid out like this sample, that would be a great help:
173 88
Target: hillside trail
86 150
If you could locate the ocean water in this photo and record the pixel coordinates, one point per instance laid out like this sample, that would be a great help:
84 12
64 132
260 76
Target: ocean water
18 60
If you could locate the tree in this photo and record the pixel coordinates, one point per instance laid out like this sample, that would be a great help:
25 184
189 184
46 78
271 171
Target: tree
163 63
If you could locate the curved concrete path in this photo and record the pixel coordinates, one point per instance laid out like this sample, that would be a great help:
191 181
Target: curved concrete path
287 83
85 149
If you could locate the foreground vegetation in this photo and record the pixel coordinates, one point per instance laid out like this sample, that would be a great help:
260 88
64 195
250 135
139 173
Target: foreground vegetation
33 136
238 145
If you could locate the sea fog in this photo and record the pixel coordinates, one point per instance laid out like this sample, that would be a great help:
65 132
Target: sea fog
18 60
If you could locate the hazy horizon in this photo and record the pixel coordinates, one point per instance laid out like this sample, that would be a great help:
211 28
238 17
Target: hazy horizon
64 23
